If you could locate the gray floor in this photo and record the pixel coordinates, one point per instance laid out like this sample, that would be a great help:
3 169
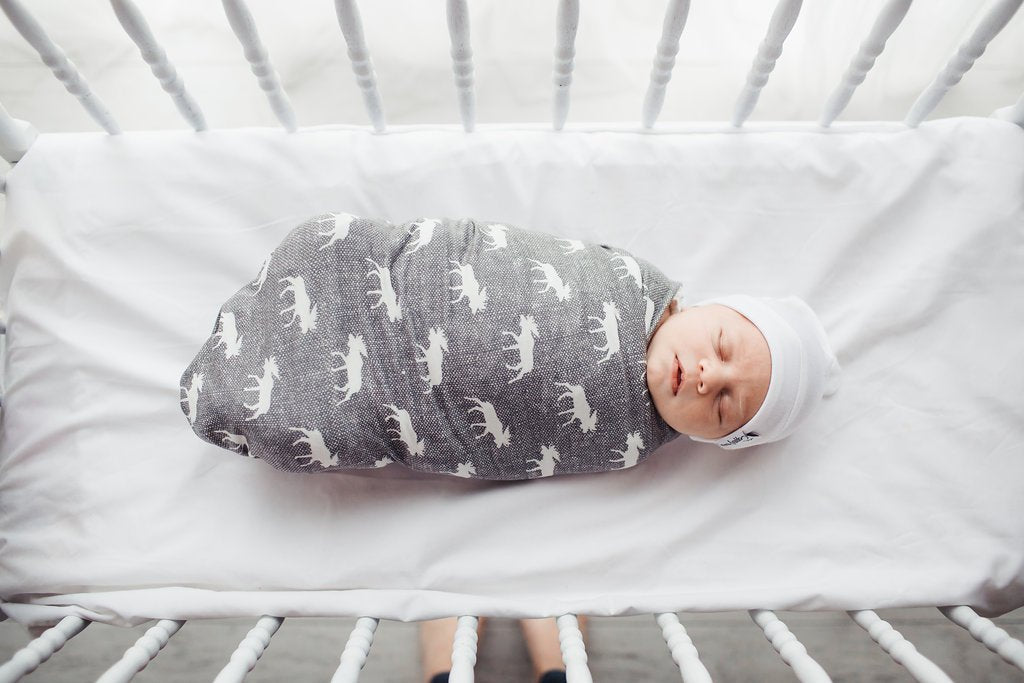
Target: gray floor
619 649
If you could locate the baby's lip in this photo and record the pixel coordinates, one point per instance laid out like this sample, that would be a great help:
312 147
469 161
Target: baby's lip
677 376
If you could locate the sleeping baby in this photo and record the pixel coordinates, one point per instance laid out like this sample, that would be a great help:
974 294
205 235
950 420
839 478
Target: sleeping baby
480 349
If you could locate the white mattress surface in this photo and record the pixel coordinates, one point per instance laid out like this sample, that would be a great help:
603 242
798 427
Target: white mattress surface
903 489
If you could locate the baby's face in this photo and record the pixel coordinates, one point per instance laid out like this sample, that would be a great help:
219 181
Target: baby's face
708 369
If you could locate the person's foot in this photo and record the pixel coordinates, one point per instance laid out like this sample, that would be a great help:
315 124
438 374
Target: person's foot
436 637
542 642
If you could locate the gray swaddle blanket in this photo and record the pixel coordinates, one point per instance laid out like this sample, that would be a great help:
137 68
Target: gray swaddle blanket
459 347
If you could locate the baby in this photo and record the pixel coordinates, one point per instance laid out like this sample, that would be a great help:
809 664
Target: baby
739 371
479 349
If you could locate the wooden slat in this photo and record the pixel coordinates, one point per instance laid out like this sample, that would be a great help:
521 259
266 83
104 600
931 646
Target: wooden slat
899 648
992 23
986 632
574 652
142 652
249 651
789 648
683 651
244 27
352 29
464 650
16 136
888 19
28 658
59 64
566 23
664 60
768 52
462 60
1013 114
357 649
138 30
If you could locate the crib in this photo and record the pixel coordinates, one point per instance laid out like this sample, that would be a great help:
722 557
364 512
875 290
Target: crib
906 232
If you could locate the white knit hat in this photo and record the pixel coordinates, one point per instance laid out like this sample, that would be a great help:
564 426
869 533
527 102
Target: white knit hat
804 369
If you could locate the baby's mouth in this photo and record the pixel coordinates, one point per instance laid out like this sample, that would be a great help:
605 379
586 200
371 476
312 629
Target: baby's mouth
677 376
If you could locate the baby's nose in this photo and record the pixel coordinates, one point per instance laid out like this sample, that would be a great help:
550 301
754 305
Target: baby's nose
709 375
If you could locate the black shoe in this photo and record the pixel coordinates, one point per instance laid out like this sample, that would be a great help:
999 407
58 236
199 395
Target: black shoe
553 676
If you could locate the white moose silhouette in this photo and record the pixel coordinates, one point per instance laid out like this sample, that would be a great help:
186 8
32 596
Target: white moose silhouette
551 280
491 424
388 299
265 386
262 277
524 345
406 434
648 312
433 355
470 288
498 235
580 407
572 246
318 451
236 442
424 231
634 444
192 395
352 364
339 225
631 267
609 327
546 463
228 335
643 362
465 469
301 309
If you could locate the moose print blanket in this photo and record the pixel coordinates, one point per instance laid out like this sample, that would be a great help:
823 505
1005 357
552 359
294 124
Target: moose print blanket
460 347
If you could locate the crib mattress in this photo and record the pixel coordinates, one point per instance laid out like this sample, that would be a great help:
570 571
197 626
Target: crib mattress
903 490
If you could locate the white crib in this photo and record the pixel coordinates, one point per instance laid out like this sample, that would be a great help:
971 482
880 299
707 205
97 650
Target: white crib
17 138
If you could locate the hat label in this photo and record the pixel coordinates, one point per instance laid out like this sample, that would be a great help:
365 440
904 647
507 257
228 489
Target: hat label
740 438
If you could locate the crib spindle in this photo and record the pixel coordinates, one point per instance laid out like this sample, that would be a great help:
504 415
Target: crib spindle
991 24
16 136
664 60
768 52
59 64
28 658
464 650
986 632
244 27
462 60
248 652
566 23
352 29
574 652
1013 113
789 648
357 649
138 30
142 652
684 653
888 19
899 648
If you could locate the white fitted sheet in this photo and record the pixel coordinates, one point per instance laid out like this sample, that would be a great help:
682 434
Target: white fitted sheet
904 489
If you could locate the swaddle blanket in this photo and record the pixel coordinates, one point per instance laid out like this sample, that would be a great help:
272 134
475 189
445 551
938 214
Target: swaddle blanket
460 347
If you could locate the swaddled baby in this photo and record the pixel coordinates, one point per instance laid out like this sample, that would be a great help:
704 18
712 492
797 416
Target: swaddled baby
479 349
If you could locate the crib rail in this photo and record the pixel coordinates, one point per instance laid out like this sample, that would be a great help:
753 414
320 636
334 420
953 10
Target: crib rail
16 136
681 648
